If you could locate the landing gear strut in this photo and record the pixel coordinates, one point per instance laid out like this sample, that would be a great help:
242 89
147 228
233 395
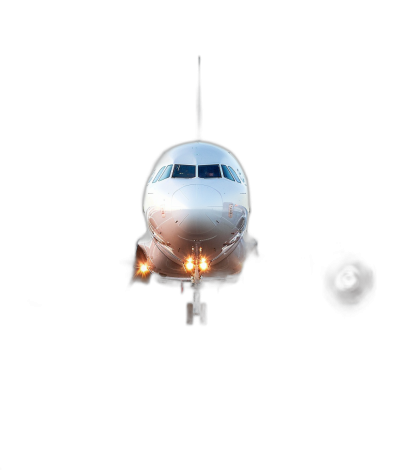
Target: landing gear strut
196 308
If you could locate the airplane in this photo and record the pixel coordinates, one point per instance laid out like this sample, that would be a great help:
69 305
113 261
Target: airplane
196 206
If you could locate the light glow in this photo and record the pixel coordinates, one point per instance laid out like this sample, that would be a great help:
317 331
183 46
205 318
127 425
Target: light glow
144 268
189 264
203 264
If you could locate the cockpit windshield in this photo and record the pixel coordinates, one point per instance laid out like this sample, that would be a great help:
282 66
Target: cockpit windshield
184 171
166 173
227 173
209 171
234 174
158 174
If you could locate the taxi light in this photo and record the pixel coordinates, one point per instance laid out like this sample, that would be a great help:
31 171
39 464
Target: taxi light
189 264
203 264
144 268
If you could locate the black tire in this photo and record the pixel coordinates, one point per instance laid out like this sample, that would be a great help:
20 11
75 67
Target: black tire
203 314
189 313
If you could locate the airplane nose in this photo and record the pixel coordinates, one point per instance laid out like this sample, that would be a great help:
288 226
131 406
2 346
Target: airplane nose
197 209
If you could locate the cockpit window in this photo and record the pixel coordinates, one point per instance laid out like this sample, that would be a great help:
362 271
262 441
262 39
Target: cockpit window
166 173
184 171
209 171
234 174
158 174
227 173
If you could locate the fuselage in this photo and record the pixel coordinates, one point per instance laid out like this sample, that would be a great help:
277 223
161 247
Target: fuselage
197 209
196 206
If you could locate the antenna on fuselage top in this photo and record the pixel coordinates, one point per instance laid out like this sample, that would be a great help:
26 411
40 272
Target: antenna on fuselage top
198 103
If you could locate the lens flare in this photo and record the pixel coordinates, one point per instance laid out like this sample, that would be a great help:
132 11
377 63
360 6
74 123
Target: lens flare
203 264
144 268
189 264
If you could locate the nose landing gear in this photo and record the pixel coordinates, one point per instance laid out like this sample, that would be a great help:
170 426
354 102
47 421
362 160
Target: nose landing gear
196 308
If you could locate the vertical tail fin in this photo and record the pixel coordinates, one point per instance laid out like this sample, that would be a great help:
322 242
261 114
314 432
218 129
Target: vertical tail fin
199 103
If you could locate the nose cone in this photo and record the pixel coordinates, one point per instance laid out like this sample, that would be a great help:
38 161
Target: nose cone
197 210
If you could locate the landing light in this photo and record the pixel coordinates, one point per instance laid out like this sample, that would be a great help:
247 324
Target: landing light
203 264
144 268
189 264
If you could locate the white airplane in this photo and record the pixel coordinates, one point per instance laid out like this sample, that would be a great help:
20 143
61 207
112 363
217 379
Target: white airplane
196 206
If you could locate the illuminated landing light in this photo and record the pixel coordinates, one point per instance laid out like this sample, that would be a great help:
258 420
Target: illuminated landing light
203 264
144 268
189 264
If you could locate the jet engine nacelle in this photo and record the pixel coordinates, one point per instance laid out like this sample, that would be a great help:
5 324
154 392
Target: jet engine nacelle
349 283
141 273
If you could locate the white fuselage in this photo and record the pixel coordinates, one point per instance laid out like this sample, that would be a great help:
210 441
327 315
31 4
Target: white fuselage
194 214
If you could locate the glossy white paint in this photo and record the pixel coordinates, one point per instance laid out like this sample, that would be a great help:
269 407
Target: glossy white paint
196 216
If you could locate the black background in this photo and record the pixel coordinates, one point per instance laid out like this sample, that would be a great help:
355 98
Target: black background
306 119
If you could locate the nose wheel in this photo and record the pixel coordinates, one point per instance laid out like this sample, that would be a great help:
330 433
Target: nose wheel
196 308
191 314
203 314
